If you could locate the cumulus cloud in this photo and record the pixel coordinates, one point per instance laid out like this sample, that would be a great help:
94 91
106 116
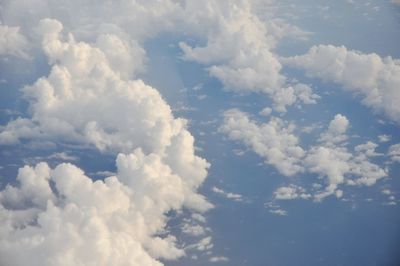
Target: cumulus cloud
329 158
375 78
239 52
336 130
81 85
62 217
333 159
239 45
274 141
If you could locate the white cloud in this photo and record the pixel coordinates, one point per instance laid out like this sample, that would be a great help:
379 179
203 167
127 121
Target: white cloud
336 130
219 259
70 219
329 158
291 192
63 156
198 217
333 160
376 79
12 42
384 138
274 141
60 216
228 195
239 53
266 111
193 230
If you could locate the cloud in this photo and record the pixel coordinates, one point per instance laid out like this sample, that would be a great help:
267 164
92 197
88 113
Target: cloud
239 53
228 195
219 259
335 133
273 141
193 230
202 245
329 158
375 78
62 217
279 212
239 45
332 159
60 212
384 138
12 42
63 156
291 192
394 152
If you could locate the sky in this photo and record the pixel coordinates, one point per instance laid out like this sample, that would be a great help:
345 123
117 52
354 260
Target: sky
181 132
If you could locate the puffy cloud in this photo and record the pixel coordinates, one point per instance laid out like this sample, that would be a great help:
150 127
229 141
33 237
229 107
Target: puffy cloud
376 79
54 214
12 42
336 130
239 53
62 217
83 95
274 141
334 160
291 192
329 158
239 49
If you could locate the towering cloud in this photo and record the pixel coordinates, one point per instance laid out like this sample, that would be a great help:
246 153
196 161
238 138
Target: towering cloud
60 216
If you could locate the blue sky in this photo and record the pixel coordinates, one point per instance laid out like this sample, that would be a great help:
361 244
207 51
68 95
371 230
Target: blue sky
93 98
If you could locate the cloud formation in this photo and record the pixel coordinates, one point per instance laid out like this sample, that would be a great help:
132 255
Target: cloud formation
62 217
273 141
330 158
239 53
375 78
12 42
